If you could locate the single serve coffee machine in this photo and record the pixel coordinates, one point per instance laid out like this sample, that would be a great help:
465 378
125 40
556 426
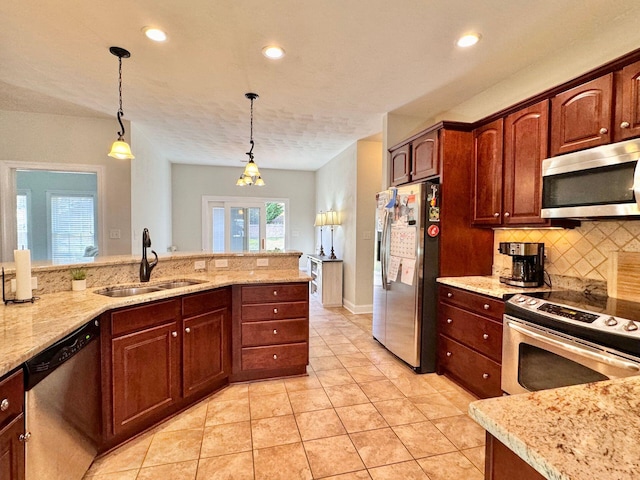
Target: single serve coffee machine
528 263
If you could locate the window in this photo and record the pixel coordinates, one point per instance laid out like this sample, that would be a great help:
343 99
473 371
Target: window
23 214
243 224
72 231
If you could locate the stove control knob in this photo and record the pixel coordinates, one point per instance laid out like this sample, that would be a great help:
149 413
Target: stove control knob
532 302
630 326
611 322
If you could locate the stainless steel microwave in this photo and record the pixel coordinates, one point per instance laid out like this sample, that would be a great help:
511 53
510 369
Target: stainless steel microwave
600 182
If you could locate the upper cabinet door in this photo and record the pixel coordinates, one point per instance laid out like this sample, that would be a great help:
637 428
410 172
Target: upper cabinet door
425 158
487 174
525 146
628 113
400 165
581 117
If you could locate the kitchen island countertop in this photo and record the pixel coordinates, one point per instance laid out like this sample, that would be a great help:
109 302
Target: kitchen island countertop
582 432
488 285
27 329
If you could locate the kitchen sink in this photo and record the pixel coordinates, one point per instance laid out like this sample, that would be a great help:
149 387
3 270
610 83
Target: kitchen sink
127 291
177 284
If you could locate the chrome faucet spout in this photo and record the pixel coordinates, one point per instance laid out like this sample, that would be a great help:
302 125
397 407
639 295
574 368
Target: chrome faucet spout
145 266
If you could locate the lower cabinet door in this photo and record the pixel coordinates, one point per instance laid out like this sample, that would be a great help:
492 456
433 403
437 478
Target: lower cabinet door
12 450
206 355
502 464
145 376
476 372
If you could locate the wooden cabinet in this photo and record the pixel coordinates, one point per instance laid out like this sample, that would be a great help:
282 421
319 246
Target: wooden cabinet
627 123
12 448
581 117
270 330
502 464
416 160
487 174
326 280
470 340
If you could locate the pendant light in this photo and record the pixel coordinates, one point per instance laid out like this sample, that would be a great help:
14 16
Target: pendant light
120 149
251 174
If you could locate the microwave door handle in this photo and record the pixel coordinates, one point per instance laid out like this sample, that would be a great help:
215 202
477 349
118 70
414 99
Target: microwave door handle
636 184
573 348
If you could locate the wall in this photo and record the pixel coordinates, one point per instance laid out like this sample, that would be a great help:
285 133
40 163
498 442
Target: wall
46 138
190 182
150 194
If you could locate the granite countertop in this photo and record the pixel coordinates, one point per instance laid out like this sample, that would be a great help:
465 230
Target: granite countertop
27 329
488 285
581 432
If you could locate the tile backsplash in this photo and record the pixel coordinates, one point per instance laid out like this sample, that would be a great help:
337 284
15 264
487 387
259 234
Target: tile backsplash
582 252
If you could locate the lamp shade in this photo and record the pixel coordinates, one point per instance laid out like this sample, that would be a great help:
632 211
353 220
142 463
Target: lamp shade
319 220
121 150
331 218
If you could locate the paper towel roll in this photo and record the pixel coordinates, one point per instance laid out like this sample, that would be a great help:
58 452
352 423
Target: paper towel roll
23 274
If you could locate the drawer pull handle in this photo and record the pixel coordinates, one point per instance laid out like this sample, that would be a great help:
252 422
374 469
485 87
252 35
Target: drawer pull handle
24 437
603 131
188 330
275 293
448 354
275 310
174 334
486 306
485 336
449 295
625 125
275 332
485 375
275 357
449 320
4 405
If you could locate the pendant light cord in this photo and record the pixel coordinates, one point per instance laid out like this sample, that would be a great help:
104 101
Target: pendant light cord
250 152
120 112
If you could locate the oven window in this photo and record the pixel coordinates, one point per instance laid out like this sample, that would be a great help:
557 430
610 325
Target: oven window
539 369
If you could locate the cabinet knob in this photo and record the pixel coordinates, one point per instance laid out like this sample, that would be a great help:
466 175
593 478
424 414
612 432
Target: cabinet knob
275 332
4 405
275 310
486 306
275 293
485 336
625 125
188 330
603 131
24 437
449 295
507 214
174 334
448 354
485 375
275 357
496 214
449 320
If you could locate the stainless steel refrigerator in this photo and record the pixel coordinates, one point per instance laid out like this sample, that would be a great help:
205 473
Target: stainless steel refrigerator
406 266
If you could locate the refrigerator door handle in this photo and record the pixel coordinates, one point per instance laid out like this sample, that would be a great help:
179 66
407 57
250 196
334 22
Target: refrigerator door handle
384 250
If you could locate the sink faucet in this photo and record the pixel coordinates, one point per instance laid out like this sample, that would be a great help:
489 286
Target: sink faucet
145 266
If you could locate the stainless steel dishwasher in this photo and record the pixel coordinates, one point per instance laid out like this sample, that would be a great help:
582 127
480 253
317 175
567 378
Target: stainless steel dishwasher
62 412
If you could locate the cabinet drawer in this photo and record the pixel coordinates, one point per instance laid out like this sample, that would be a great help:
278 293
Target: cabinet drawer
281 292
11 397
136 318
471 329
491 307
276 356
274 311
200 303
476 372
274 332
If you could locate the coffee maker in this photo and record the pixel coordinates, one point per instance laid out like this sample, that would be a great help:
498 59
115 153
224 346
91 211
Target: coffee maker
528 263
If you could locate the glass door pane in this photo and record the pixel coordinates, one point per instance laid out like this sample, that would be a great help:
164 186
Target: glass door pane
275 226
217 229
245 228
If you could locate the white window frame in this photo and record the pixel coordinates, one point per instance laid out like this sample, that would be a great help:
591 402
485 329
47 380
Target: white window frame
8 236
210 201
66 193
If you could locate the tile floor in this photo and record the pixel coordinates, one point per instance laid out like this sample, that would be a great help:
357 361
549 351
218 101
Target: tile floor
360 414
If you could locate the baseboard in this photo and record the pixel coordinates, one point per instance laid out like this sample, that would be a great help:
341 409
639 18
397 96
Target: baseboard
357 309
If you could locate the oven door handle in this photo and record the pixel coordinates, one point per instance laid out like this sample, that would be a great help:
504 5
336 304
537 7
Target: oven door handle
573 348
636 184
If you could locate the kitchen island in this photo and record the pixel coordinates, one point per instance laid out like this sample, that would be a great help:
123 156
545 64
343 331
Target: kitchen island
582 432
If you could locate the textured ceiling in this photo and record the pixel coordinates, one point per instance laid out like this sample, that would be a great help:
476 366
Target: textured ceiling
348 62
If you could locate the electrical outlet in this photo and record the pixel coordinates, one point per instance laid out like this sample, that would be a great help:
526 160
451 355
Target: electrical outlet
200 265
114 234
262 262
13 285
221 263
366 235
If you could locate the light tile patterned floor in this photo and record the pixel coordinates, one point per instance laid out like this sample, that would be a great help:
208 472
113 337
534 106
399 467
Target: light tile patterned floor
360 414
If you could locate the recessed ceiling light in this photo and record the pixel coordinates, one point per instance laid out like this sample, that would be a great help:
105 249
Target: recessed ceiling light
468 40
155 34
273 52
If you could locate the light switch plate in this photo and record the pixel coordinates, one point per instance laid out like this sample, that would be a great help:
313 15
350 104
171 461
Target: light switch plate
200 265
221 263
114 234
262 262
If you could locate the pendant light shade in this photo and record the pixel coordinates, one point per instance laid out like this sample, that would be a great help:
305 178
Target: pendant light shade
251 174
120 149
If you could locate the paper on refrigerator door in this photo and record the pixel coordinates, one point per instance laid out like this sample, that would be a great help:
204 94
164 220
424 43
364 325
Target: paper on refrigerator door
403 241
408 270
394 267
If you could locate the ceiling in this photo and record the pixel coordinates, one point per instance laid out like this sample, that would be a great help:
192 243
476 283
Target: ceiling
347 63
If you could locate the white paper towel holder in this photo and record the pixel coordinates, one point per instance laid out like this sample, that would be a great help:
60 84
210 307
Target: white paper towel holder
13 300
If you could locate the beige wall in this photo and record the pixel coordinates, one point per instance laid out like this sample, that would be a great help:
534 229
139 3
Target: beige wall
46 138
190 182
150 194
